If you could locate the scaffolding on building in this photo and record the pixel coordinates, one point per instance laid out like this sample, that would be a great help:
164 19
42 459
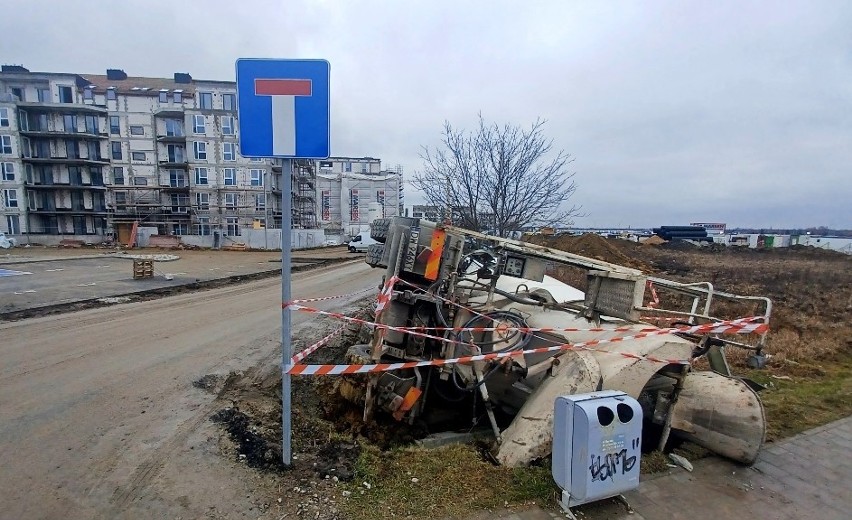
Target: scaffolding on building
303 193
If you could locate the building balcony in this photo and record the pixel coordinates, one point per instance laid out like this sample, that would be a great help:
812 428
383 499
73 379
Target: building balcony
64 108
76 211
176 111
63 134
136 210
174 163
100 161
171 138
170 187
177 212
63 186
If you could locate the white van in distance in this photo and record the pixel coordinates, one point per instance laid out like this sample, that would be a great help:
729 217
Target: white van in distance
361 242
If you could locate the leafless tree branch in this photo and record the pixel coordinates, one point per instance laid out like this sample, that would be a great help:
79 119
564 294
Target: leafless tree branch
503 178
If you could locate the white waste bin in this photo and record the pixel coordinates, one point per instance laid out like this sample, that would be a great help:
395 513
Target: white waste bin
597 445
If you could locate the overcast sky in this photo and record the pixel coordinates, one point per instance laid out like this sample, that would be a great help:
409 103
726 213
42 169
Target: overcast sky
675 112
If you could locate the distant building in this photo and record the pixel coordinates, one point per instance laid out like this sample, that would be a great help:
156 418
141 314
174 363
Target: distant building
432 213
348 187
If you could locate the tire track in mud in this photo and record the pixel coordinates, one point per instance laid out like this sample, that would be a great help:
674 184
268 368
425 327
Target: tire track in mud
148 471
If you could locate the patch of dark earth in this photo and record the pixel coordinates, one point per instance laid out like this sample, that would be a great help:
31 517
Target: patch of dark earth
253 421
210 383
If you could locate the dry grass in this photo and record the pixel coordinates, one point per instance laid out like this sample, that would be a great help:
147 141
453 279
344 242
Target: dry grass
437 483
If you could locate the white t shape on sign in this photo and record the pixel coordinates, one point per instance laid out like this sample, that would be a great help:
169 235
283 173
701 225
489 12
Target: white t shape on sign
283 92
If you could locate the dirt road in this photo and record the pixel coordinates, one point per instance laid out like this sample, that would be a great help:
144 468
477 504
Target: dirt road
98 416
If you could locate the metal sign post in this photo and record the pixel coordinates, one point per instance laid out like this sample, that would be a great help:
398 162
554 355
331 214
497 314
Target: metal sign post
283 109
286 336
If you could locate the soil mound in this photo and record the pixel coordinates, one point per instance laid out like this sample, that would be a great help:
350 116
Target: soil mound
589 245
653 240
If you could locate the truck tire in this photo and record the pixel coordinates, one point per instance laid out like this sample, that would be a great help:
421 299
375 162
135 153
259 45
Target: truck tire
379 229
374 255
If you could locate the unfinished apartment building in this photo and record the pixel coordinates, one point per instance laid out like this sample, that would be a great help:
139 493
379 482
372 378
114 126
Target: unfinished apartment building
87 154
355 190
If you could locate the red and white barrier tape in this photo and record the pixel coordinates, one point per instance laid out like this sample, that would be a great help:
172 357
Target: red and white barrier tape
300 356
324 298
735 324
351 319
738 326
655 300
385 295
321 370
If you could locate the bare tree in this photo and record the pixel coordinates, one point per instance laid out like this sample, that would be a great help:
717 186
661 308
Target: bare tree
498 177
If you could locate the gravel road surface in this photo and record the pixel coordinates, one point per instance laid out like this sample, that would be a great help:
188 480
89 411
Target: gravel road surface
98 416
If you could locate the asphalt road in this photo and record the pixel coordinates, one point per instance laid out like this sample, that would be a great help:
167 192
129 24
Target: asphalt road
98 417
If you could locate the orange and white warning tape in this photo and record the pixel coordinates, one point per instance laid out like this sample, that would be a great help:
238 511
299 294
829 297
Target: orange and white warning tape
321 370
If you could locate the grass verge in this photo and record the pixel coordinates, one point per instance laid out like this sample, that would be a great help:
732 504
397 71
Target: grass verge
806 395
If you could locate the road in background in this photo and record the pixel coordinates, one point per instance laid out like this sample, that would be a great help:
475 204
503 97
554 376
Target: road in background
57 276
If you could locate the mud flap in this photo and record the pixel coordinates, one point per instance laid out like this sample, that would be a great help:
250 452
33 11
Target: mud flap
721 414
530 436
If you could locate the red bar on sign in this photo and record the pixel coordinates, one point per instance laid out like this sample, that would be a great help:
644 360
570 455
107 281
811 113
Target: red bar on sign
282 87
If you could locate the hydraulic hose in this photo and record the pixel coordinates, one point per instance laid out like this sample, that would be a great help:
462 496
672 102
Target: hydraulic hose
525 339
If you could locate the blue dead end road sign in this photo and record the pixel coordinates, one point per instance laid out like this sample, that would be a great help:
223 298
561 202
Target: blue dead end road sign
283 108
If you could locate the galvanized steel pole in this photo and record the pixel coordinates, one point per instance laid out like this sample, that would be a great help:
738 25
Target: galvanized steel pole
286 347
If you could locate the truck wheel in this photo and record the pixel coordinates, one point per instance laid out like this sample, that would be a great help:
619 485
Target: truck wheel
379 229
375 254
351 249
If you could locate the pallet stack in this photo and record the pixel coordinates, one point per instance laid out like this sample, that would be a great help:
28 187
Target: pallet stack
143 269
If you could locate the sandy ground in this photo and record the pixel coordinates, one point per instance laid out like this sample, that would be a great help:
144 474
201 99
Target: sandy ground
98 416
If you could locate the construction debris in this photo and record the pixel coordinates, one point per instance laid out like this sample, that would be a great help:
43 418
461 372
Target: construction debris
681 461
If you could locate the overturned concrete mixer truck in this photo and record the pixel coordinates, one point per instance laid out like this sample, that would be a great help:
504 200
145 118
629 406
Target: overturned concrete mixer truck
478 334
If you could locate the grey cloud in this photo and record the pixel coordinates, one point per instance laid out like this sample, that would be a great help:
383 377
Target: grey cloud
675 111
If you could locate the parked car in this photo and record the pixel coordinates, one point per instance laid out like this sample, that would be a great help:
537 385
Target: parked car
361 242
